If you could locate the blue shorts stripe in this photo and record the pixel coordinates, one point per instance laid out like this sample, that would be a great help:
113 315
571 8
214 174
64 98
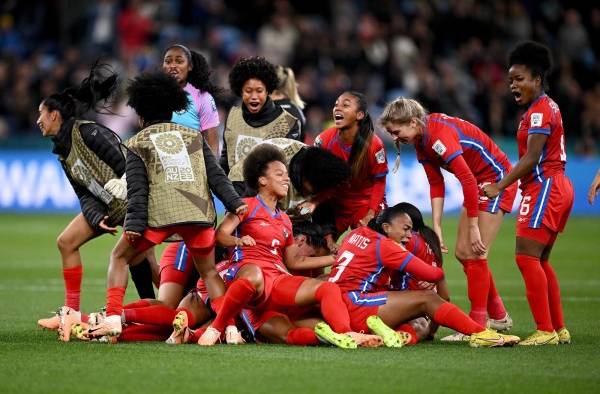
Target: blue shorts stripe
364 299
181 257
540 205
248 324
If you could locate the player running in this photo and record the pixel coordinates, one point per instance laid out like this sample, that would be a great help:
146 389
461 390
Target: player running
547 192
461 148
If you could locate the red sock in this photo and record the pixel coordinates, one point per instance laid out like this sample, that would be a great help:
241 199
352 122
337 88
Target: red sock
240 292
495 306
536 286
216 305
196 334
85 318
449 315
556 311
138 304
301 336
72 278
114 301
333 308
158 314
190 316
144 332
414 338
478 285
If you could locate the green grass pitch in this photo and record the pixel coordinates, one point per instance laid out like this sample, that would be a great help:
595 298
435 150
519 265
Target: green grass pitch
33 360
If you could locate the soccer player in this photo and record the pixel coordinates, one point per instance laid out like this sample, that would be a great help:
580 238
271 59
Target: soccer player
366 257
352 139
257 118
91 157
461 148
547 192
265 250
171 172
287 97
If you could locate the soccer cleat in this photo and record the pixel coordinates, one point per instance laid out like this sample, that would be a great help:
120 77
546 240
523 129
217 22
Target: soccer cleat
501 325
180 332
564 336
68 318
78 331
456 337
326 334
233 336
110 327
490 338
95 318
365 340
390 337
540 338
210 337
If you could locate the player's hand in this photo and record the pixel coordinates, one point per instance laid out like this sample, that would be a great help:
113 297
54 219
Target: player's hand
117 187
241 210
105 227
491 190
246 240
443 247
132 236
306 208
476 243
594 188
331 244
370 215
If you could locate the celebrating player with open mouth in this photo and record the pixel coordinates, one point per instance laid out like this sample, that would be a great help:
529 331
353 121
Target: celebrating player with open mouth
547 192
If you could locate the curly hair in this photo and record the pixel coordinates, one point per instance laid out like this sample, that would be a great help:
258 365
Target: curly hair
533 55
155 96
320 168
257 161
199 75
254 67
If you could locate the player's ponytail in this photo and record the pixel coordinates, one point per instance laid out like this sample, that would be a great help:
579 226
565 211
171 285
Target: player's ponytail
98 86
425 231
360 148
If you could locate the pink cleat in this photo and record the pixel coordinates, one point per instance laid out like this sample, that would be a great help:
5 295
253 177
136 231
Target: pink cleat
109 327
233 336
210 337
365 340
68 317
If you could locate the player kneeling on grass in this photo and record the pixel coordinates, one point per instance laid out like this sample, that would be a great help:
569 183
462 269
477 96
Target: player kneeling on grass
171 172
365 260
264 250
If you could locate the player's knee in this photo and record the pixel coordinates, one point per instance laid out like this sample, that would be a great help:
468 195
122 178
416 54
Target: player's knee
64 243
462 253
427 299
326 288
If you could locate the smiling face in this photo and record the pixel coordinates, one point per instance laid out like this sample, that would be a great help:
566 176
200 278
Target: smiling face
177 65
254 95
523 85
405 133
346 112
399 228
49 122
275 180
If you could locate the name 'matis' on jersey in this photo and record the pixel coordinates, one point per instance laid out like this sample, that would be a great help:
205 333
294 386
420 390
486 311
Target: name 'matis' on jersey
447 137
365 260
543 117
272 232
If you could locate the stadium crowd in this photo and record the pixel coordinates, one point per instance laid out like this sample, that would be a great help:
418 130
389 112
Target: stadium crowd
450 55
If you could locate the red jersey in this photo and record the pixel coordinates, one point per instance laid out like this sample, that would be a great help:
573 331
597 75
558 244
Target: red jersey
543 117
365 260
360 191
446 137
272 231
421 249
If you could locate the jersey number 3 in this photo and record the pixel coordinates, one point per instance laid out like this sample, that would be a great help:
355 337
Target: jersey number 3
343 261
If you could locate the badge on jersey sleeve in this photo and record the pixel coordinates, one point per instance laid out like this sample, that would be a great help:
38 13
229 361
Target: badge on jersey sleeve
380 156
318 141
439 148
536 119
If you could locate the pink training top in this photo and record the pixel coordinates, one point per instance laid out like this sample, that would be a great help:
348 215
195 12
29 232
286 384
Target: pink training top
201 113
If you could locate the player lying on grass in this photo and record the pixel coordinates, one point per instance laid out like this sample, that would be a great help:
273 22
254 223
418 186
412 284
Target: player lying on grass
91 157
171 173
265 250
366 258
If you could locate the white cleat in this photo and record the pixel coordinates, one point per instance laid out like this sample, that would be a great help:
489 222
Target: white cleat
501 325
233 336
456 337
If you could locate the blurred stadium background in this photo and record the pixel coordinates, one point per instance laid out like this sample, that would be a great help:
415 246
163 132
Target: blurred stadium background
450 54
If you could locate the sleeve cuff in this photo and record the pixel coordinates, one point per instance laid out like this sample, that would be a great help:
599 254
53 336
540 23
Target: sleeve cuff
452 156
539 131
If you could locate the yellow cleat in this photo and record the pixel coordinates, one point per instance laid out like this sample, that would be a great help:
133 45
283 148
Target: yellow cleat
539 338
326 334
180 329
78 331
390 337
490 338
564 336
